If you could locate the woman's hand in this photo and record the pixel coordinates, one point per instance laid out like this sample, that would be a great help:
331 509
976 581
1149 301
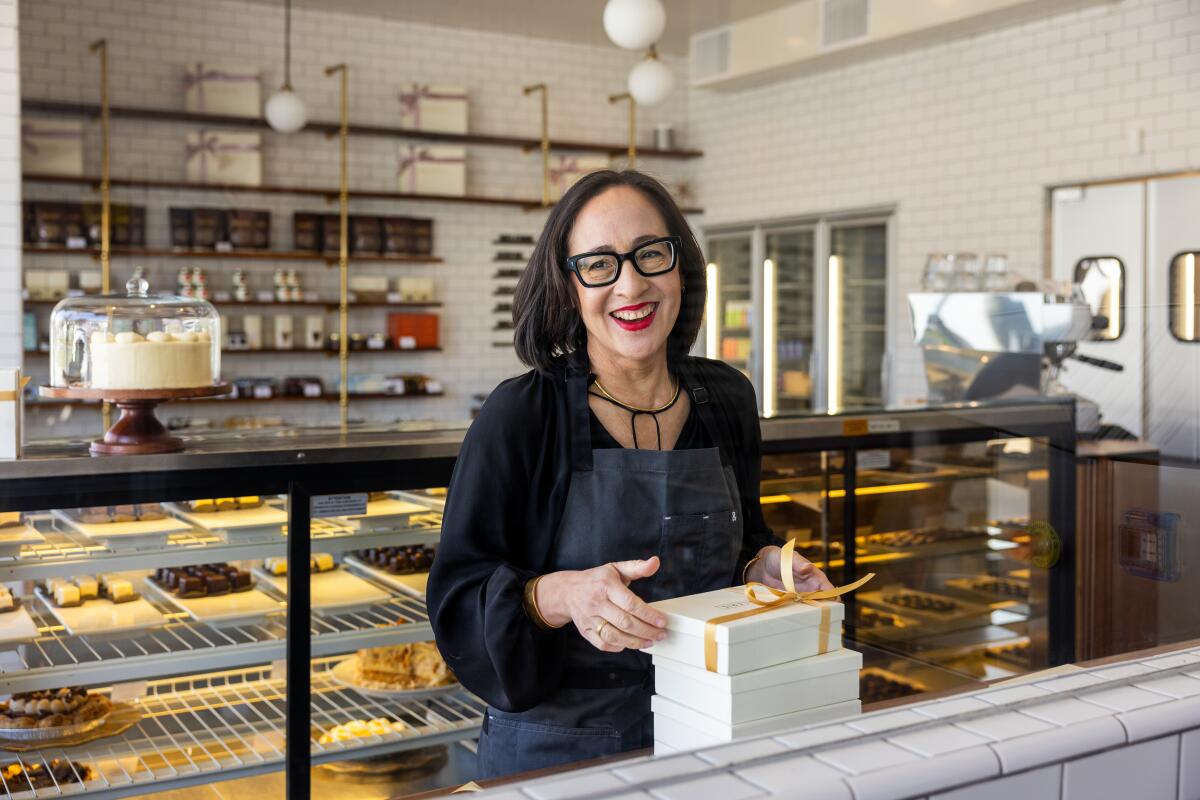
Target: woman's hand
806 575
601 605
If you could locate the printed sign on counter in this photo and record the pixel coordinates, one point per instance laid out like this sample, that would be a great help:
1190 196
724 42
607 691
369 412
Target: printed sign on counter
338 505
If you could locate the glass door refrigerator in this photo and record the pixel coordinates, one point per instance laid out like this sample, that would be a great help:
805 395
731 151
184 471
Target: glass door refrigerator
789 323
856 279
731 319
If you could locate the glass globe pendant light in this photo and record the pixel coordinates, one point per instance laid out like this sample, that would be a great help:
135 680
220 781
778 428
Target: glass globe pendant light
651 81
634 24
284 110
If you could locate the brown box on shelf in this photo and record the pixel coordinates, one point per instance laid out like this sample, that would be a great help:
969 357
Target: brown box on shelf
413 331
397 234
306 231
208 227
331 232
365 234
137 226
248 229
422 236
47 227
91 223
181 227
120 221
74 232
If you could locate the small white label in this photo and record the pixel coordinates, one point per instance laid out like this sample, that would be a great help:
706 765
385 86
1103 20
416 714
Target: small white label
262 392
408 343
265 297
874 459
76 242
395 297
433 387
883 425
128 692
312 390
222 297
224 247
338 505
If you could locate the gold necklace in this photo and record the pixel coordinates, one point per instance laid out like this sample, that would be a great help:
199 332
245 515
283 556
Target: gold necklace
638 409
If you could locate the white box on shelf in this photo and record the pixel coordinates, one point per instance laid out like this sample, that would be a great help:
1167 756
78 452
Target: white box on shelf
90 280
566 170
434 107
222 89
369 284
224 157
784 633
12 411
283 333
684 728
748 696
252 327
436 170
314 332
52 146
416 290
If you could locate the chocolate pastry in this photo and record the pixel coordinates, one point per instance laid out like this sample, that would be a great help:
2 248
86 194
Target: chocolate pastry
399 560
869 618
921 602
203 580
55 773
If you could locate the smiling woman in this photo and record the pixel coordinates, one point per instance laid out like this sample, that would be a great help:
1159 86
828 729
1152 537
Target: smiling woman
559 527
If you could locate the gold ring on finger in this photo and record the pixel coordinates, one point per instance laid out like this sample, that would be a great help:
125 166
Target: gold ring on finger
600 629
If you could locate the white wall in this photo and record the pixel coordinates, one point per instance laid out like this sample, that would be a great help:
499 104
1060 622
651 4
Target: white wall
150 42
10 188
962 137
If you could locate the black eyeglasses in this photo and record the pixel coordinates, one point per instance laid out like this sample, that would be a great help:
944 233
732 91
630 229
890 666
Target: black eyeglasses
603 267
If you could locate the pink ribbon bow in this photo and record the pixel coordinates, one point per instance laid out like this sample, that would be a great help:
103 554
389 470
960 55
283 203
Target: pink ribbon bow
211 144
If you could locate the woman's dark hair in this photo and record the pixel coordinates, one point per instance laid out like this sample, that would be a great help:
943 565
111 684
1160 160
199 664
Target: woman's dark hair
549 328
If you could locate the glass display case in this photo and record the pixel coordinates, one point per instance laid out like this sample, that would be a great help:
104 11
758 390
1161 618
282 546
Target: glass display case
733 321
789 285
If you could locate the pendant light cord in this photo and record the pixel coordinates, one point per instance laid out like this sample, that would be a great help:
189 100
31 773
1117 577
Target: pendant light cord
287 44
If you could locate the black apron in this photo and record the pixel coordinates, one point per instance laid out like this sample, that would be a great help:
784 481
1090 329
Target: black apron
622 504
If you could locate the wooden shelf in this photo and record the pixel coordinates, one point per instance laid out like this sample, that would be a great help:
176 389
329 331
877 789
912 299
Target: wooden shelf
247 255
325 398
37 105
329 194
329 305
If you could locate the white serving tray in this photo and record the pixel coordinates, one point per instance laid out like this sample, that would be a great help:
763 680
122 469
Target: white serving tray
384 515
225 608
103 616
140 533
262 524
17 625
413 584
12 539
335 591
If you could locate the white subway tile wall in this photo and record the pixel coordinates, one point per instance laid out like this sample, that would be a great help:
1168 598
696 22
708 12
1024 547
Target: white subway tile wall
149 43
962 137
10 188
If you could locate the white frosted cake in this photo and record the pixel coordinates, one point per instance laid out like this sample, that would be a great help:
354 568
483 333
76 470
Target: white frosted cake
159 360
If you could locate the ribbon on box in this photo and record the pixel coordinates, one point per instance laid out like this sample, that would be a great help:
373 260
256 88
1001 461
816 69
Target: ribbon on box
779 599
201 75
30 131
410 102
14 395
406 167
211 144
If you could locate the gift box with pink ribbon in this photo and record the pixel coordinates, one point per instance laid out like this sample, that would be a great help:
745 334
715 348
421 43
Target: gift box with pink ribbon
433 107
222 89
428 169
225 157
52 146
566 170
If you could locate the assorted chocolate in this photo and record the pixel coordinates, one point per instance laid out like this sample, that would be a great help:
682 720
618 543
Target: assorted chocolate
206 228
876 685
1017 652
1004 587
870 619
55 223
203 580
24 777
53 708
101 515
399 560
919 601
321 233
816 551
918 538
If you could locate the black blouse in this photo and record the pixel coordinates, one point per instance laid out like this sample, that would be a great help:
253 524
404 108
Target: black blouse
504 504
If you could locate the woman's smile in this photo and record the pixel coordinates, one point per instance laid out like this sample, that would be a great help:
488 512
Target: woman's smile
636 317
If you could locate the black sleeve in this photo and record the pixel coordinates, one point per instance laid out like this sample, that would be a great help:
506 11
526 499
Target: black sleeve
490 546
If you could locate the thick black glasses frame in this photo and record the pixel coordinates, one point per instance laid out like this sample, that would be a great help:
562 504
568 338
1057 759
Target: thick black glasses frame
572 263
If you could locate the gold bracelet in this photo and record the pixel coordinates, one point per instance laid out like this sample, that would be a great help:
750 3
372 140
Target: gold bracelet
749 564
531 608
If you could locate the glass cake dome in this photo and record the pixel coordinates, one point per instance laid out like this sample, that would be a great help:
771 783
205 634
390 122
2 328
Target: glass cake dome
138 340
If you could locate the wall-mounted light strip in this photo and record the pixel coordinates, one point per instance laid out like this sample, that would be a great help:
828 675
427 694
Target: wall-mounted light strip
833 371
1189 297
712 333
770 379
1114 303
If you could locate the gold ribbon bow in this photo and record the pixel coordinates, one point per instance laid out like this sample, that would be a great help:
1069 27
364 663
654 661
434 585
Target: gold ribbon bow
13 395
779 598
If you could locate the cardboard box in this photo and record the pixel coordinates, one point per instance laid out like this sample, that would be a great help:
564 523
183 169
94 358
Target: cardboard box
785 633
181 227
306 231
224 157
51 146
682 728
331 233
47 284
248 229
208 228
434 107
314 332
231 89
283 333
413 331
747 696
433 170
415 290
366 234
366 285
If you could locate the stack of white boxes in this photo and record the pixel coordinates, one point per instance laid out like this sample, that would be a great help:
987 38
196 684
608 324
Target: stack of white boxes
771 671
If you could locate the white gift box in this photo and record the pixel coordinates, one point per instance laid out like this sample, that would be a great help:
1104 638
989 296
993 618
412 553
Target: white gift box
785 633
224 157
781 689
683 728
222 89
12 410
416 290
52 146
434 107
427 169
566 170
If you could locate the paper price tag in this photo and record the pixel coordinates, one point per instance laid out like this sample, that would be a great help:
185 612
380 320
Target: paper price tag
395 297
338 505
312 390
262 392
128 692
76 242
883 425
408 343
222 297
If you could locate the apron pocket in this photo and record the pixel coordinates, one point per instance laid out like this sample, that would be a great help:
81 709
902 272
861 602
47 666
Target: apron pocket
513 745
698 552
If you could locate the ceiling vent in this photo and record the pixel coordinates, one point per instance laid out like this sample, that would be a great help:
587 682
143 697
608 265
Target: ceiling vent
843 22
710 54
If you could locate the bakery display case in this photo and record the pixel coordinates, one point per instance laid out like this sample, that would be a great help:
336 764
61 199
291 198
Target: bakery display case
964 514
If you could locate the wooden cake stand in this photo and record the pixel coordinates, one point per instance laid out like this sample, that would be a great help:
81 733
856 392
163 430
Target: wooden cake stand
138 431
